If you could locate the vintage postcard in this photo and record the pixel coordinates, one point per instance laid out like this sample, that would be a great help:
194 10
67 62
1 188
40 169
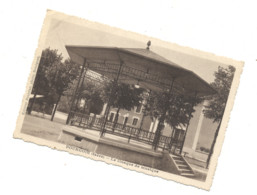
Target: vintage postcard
128 99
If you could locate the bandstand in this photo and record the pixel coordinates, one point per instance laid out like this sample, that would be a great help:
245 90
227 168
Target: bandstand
134 66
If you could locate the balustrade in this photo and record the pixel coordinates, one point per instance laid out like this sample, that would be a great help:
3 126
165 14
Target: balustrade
94 122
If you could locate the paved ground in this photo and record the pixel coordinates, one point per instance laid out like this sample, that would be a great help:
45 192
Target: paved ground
40 126
59 117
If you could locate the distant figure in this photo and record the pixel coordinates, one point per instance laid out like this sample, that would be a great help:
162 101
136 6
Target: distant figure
148 44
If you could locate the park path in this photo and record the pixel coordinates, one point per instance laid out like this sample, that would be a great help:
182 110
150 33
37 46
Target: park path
42 127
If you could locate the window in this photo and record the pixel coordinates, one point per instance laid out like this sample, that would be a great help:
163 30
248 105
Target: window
111 117
178 134
125 120
135 120
138 108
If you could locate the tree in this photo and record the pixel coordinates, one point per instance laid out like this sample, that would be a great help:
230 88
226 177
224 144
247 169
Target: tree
180 110
49 58
173 108
60 77
91 92
177 108
217 103
124 96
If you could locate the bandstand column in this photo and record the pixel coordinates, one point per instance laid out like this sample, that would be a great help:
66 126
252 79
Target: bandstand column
107 110
161 121
76 91
188 122
198 129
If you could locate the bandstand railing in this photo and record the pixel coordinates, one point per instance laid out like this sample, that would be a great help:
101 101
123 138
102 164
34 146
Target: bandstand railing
84 121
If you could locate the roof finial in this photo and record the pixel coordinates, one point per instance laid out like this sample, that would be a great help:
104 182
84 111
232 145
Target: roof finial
148 44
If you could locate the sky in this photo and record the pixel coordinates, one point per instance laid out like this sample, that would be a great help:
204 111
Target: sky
63 33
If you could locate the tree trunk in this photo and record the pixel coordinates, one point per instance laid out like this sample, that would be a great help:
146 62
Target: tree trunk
212 146
160 126
116 119
158 132
144 112
52 118
32 102
141 124
142 121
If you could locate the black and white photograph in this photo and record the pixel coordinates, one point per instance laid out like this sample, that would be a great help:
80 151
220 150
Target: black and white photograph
128 99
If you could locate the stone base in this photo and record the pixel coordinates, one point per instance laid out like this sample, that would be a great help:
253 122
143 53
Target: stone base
91 141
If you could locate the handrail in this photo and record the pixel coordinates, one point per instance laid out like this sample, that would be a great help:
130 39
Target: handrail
132 133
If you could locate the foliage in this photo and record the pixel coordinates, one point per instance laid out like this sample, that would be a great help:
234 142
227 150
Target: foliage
217 103
222 83
175 109
53 77
123 96
64 104
49 58
61 75
91 92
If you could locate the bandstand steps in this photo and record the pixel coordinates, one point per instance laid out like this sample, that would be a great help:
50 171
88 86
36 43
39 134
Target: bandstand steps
186 171
183 167
180 162
188 174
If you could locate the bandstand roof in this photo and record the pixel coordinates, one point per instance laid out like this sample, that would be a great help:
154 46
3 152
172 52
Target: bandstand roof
140 66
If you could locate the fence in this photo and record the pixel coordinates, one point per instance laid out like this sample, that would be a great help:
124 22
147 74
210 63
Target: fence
172 144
